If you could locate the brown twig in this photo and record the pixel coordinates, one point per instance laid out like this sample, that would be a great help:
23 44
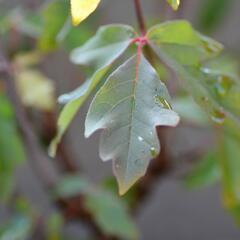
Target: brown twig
140 17
36 156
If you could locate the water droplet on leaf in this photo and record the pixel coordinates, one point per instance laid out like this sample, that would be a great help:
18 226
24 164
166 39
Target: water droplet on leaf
162 102
218 116
223 85
140 138
153 152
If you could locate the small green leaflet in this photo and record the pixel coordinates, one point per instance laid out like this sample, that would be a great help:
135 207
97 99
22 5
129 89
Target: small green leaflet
179 41
129 106
214 89
174 3
98 53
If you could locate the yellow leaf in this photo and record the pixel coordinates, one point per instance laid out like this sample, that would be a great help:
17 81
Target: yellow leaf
81 9
174 3
35 90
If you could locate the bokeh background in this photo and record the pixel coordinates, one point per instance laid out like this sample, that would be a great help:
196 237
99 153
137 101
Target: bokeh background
170 211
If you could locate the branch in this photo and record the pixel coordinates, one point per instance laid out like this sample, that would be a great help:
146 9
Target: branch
140 17
38 159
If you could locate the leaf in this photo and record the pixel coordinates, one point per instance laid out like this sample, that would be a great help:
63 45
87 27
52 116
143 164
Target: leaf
11 153
81 9
19 228
179 41
41 96
230 165
131 103
206 172
54 15
174 3
55 223
212 13
189 111
214 90
98 53
109 211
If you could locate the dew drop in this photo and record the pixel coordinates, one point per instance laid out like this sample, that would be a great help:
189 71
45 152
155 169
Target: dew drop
153 152
223 85
218 116
160 101
140 138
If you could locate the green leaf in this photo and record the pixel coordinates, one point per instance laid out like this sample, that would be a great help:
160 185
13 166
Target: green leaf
207 172
55 225
19 228
109 211
55 14
179 41
212 13
215 90
230 165
174 3
131 103
189 111
12 153
98 53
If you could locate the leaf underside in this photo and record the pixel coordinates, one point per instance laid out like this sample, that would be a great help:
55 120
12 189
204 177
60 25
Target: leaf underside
129 106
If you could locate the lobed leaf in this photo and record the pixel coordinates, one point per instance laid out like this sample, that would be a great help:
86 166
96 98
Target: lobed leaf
129 106
98 53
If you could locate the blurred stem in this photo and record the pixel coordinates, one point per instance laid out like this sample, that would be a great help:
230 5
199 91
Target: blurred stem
39 161
140 17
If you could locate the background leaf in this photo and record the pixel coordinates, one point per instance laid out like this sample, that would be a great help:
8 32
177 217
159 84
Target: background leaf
207 172
214 90
174 3
109 211
12 153
212 13
81 9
